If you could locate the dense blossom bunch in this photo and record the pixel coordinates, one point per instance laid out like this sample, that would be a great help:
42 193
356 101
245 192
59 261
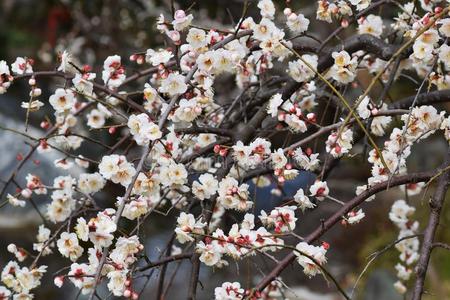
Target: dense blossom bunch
182 151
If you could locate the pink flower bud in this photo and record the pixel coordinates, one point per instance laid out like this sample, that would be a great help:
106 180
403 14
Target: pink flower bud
11 248
44 125
174 36
127 293
292 17
287 11
26 193
179 14
32 81
36 92
140 60
58 281
311 117
374 111
344 23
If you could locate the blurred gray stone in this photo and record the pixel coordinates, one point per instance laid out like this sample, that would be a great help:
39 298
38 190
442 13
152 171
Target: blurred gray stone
380 286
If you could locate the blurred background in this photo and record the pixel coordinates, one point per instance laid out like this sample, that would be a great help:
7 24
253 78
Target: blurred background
92 30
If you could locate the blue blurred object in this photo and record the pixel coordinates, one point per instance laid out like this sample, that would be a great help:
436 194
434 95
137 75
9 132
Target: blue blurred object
265 200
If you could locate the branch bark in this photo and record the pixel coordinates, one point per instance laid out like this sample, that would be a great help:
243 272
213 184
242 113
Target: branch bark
436 204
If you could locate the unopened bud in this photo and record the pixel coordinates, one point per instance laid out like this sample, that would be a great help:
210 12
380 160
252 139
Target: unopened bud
26 193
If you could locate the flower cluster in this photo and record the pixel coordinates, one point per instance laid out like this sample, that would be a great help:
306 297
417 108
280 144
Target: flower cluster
311 258
408 244
142 129
117 169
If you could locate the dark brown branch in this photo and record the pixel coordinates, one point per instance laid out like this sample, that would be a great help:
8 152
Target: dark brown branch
441 245
165 260
97 87
366 42
423 99
436 204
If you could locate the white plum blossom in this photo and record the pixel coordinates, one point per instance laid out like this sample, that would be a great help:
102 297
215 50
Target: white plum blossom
319 190
400 212
83 83
90 183
279 160
101 229
303 200
309 162
125 251
22 66
143 129
340 143
209 254
181 20
274 103
229 291
160 57
68 246
113 73
400 287
344 67
371 24
281 218
231 195
173 85
297 23
82 276
361 4
187 227
5 77
62 100
117 169
310 267
354 217
14 201
300 71
197 38
205 187
116 283
267 8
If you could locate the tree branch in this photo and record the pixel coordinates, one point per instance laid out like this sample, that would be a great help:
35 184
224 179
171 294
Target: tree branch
436 204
